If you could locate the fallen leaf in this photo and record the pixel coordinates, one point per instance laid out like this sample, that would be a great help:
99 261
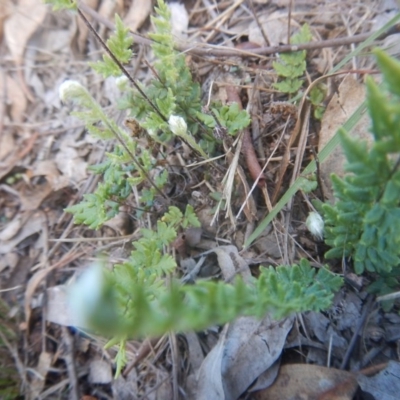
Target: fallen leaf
13 227
320 327
100 372
71 165
231 262
5 6
7 143
268 243
267 378
28 15
137 14
28 224
342 105
179 20
49 170
125 388
82 28
32 197
164 389
305 381
57 306
20 152
39 377
244 352
385 384
38 277
9 260
210 384
196 356
15 99
275 27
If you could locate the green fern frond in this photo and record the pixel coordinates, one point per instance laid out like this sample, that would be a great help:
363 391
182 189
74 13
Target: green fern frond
149 308
120 45
291 66
365 220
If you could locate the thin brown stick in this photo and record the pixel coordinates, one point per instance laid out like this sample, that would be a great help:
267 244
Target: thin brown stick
247 145
255 169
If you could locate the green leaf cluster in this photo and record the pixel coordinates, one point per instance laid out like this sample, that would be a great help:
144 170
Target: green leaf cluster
230 117
317 96
120 171
120 45
150 301
172 89
180 308
62 4
291 66
144 295
364 222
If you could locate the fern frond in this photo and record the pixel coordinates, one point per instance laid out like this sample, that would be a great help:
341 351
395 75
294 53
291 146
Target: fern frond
120 45
365 220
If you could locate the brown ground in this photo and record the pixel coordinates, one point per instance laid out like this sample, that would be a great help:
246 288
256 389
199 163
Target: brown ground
44 154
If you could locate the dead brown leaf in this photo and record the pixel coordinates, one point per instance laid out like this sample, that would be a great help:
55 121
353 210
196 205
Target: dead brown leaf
247 348
32 197
26 225
18 154
15 98
274 26
137 14
385 384
28 14
38 277
83 29
9 260
70 164
310 382
350 95
5 6
7 144
41 371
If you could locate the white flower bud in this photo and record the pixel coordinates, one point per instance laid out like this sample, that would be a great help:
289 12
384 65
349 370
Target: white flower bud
177 125
121 82
315 224
86 294
70 89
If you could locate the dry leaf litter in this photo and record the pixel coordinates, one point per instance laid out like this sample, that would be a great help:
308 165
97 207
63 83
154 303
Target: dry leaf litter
44 155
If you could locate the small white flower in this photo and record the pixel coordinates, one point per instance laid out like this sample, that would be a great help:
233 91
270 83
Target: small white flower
86 294
315 224
121 82
177 125
70 89
152 132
